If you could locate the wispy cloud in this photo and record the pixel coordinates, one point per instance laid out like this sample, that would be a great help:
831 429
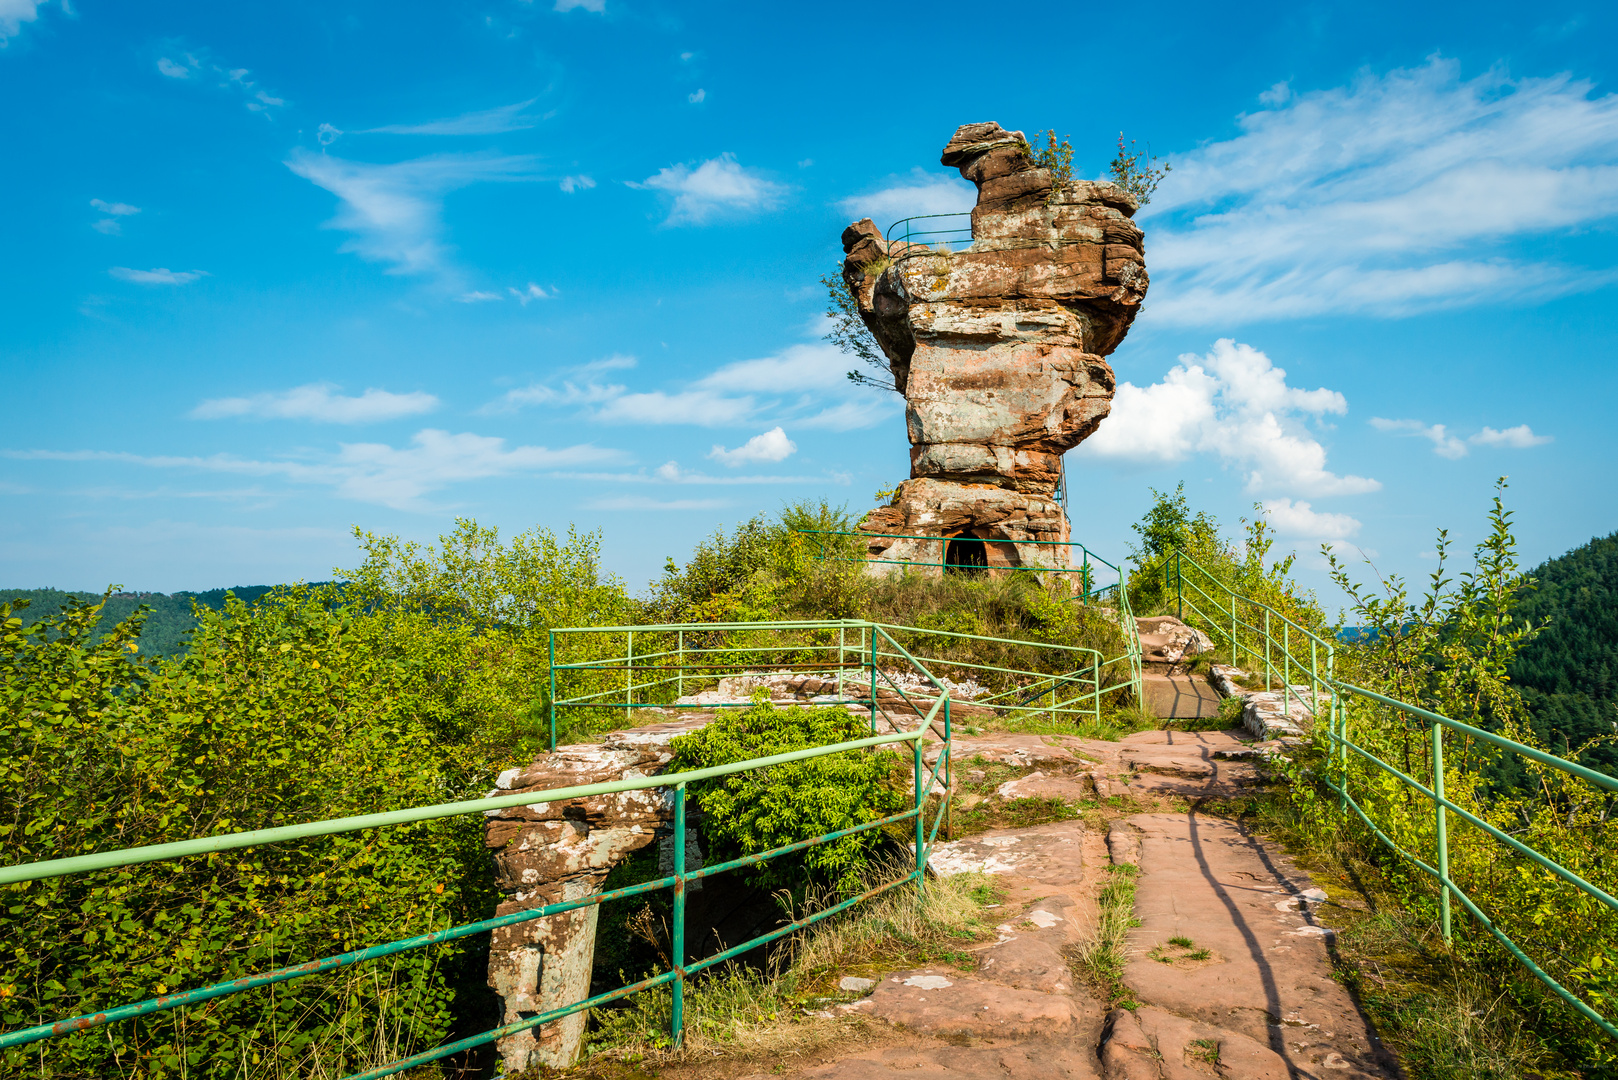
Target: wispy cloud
922 193
802 384
531 293
13 13
645 502
159 275
198 65
570 184
373 472
1300 520
594 6
478 297
113 211
394 212
718 187
698 97
1393 195
318 401
1448 445
1235 404
485 122
772 445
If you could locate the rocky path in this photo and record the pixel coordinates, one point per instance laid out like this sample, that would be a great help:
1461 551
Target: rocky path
1251 995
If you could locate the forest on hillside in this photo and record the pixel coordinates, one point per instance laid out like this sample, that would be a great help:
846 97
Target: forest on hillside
169 617
1569 673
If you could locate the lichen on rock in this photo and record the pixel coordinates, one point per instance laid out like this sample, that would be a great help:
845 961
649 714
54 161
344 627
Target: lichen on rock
999 348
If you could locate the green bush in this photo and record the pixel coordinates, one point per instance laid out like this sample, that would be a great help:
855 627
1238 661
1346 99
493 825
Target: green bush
1450 651
282 713
769 808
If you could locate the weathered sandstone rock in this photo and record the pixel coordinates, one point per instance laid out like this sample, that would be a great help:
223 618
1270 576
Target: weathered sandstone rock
999 348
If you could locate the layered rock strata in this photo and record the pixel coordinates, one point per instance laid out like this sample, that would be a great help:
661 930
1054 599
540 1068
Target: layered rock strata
998 348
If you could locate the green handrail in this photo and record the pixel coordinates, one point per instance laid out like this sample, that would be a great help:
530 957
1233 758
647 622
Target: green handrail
681 970
1265 641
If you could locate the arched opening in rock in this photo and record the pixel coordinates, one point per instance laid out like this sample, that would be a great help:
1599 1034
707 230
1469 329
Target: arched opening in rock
966 555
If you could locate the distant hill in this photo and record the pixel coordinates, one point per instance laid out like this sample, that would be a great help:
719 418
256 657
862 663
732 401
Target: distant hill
1569 674
167 625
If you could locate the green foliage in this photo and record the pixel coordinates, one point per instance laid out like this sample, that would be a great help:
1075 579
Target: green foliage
291 711
850 334
1451 651
1057 157
1136 171
763 809
1171 525
168 620
1569 673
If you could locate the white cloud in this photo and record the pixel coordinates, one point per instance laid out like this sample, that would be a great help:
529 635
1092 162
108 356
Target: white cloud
157 275
374 472
200 64
533 292
923 193
316 401
1393 195
1232 403
394 211
615 362
772 445
594 6
478 297
717 187
804 385
1520 437
796 367
642 502
327 134
1445 445
1297 519
570 184
1451 446
697 98
109 224
485 122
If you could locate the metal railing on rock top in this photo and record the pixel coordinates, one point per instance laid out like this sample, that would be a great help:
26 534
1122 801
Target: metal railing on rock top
1281 648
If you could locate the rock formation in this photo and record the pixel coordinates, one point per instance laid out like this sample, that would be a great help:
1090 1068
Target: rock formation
998 348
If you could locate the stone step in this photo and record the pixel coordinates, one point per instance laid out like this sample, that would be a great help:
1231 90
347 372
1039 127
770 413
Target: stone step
1178 697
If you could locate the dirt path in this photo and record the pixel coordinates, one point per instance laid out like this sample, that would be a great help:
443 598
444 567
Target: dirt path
1229 967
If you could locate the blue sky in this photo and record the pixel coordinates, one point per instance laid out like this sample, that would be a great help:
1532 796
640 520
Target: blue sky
276 270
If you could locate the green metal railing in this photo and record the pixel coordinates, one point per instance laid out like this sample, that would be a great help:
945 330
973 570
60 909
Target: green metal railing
1085 571
929 234
856 662
1276 645
934 718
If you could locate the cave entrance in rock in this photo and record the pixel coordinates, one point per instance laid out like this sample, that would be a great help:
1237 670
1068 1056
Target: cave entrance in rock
966 555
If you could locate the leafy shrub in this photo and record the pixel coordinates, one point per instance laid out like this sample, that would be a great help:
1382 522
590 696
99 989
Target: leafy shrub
768 808
282 713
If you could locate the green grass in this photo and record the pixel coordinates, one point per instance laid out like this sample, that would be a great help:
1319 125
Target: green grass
1102 956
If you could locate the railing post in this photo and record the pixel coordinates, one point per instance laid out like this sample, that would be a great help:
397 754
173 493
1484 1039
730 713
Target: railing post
679 677
921 801
1442 838
1286 668
1179 587
629 676
871 630
1269 668
842 645
677 922
1234 662
949 774
553 688
1085 575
